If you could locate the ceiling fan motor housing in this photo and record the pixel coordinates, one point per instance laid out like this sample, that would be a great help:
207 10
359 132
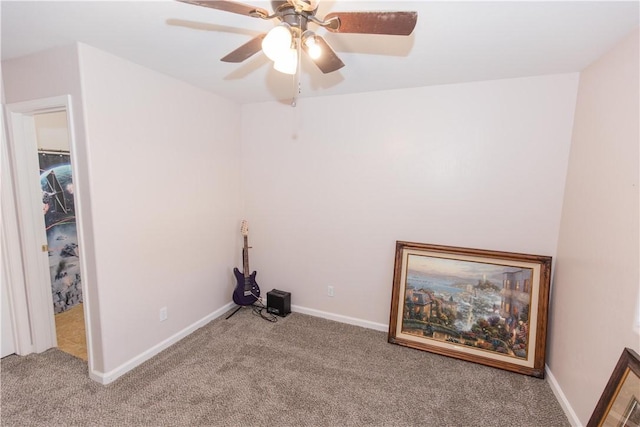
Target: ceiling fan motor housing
306 5
297 20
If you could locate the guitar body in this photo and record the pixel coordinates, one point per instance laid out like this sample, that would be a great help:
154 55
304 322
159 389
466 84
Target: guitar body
252 293
247 291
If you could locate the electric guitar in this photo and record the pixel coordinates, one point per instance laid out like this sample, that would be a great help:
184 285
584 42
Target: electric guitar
247 290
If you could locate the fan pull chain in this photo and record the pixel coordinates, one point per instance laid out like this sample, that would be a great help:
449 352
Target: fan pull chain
296 80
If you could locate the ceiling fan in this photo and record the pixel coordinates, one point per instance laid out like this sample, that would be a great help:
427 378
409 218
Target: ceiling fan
282 44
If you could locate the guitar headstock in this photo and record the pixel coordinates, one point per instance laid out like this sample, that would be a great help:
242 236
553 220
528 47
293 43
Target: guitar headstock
244 228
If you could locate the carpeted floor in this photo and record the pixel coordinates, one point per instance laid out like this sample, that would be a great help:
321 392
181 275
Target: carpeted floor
300 371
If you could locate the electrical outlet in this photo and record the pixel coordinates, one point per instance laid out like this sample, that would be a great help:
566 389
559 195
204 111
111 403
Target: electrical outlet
330 291
163 314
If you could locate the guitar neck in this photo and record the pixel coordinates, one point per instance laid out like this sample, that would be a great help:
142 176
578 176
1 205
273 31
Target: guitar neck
245 257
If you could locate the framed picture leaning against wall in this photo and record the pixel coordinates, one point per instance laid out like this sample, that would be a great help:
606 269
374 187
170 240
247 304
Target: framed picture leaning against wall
483 306
619 405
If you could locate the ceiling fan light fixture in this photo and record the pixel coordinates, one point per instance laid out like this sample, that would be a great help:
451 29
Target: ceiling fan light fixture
287 63
277 42
313 47
292 34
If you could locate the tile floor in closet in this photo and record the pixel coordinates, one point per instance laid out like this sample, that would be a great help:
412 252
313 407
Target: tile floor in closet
70 332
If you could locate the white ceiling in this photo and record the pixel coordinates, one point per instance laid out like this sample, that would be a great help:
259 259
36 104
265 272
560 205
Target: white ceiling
452 42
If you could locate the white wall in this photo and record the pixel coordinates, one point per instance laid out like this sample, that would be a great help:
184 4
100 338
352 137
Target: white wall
331 184
596 282
165 169
51 73
159 168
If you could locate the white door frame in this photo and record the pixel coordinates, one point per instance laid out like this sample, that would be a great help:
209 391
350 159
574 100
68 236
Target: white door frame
11 263
30 298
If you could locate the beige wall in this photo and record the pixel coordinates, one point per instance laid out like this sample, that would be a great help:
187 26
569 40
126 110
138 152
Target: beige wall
51 131
596 283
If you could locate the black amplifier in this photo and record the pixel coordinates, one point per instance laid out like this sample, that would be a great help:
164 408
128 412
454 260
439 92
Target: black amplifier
279 302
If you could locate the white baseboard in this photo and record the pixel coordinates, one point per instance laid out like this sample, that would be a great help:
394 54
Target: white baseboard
106 378
555 387
562 399
340 318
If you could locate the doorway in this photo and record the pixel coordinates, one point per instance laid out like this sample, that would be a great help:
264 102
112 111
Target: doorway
31 295
58 205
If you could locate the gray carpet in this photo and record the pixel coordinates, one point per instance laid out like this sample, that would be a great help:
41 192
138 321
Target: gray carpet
300 371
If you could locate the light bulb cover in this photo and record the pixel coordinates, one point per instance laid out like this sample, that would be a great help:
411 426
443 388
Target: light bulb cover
312 46
277 42
314 50
287 63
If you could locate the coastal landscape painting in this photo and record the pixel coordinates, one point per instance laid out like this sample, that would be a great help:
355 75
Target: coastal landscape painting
483 306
